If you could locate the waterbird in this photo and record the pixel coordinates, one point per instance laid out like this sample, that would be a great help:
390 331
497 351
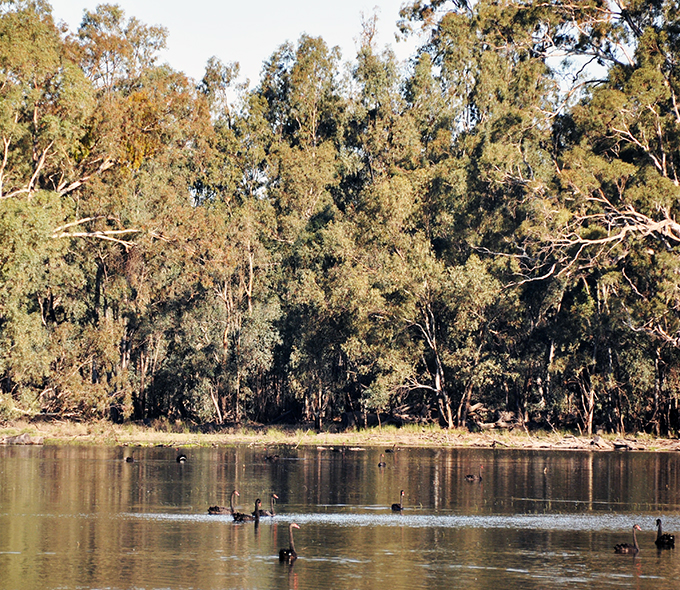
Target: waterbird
399 507
222 509
382 463
627 547
289 554
472 477
270 458
181 458
663 540
270 512
254 516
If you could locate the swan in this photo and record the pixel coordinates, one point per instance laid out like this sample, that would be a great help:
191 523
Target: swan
222 509
290 553
663 540
472 477
399 507
270 512
255 516
627 547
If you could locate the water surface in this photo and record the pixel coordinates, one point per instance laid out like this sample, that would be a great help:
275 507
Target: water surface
84 518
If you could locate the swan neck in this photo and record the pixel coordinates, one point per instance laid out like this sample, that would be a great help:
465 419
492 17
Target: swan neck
290 539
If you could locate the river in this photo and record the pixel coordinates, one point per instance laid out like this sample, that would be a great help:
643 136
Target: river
75 518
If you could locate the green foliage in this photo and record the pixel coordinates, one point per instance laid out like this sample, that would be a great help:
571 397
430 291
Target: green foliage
489 233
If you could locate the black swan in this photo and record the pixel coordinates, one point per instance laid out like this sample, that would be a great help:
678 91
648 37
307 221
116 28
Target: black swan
627 547
181 458
222 509
472 477
270 512
255 516
663 540
382 463
289 554
270 458
393 449
130 458
399 507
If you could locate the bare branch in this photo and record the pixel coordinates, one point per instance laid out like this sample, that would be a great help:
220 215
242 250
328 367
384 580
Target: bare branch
64 188
78 222
109 235
38 168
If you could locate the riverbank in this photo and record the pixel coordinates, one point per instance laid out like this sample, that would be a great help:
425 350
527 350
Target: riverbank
166 434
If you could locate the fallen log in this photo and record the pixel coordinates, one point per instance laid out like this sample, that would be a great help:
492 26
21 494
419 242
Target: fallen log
21 439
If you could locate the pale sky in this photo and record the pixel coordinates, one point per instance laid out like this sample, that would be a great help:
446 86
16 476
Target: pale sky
248 32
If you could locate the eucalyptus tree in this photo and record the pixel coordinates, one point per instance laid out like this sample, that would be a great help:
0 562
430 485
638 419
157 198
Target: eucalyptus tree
95 156
613 223
472 149
300 93
386 215
45 110
48 104
580 201
302 97
489 142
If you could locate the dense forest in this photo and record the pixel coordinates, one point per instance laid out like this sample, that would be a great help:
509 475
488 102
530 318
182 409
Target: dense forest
487 232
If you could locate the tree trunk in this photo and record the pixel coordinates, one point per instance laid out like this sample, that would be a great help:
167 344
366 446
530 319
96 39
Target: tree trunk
444 409
319 407
216 403
657 393
443 400
548 370
461 416
588 404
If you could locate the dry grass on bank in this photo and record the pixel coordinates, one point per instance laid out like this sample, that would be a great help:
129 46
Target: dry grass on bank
163 433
